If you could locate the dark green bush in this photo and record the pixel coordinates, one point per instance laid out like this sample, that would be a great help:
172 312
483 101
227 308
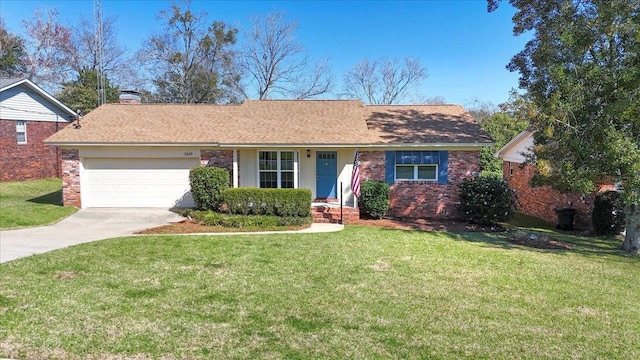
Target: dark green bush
608 213
212 218
486 201
207 185
374 198
278 202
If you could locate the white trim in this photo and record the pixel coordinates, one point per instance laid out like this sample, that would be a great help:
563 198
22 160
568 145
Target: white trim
523 135
21 127
354 145
43 93
235 168
102 144
415 172
278 170
426 146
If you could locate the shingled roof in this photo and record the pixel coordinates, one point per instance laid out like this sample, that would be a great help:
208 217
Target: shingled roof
274 122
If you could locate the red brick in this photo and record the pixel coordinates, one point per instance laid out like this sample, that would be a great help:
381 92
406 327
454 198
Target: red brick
32 160
541 201
423 199
70 163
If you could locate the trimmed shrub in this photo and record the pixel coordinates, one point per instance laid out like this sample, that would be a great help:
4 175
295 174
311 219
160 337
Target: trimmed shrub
278 202
486 201
207 185
212 218
374 198
608 213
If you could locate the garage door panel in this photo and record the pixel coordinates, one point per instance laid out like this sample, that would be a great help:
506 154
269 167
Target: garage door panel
137 182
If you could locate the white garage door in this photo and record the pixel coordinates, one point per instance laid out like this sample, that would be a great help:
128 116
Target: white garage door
137 182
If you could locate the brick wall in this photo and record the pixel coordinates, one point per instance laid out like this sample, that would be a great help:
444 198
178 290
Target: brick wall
423 199
70 164
32 160
219 158
541 201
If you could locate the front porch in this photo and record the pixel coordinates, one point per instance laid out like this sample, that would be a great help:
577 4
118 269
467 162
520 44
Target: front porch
324 171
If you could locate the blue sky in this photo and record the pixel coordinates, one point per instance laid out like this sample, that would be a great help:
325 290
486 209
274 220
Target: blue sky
464 48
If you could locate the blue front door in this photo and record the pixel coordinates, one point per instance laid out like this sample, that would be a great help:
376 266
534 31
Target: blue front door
326 174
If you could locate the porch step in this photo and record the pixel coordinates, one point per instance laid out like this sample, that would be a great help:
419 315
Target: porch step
331 214
326 200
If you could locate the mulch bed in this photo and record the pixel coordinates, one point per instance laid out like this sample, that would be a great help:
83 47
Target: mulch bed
426 225
188 226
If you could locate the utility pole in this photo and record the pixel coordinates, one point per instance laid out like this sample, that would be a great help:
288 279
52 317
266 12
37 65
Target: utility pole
97 13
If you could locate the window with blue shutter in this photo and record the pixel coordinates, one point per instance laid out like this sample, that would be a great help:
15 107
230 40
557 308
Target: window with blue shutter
417 165
389 168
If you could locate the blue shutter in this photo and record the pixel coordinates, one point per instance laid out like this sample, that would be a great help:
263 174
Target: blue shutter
390 167
443 167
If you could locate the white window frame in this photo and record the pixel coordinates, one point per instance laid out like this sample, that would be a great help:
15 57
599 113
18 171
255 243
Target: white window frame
279 171
415 172
21 127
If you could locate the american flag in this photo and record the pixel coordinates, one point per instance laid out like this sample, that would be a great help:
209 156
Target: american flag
355 175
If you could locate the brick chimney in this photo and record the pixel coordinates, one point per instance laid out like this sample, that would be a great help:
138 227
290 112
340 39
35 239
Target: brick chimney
129 97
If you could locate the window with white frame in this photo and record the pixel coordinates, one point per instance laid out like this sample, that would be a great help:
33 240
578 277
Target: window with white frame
417 165
277 169
21 132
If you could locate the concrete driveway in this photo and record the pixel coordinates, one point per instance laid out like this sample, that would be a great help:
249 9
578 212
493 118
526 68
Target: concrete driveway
84 226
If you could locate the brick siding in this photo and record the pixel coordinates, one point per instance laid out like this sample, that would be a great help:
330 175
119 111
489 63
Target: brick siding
70 163
423 199
32 160
219 158
541 201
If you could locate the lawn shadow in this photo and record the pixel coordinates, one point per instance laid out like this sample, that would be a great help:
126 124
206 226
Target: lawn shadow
52 198
583 245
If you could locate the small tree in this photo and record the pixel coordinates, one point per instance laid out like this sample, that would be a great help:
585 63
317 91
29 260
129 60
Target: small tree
486 201
608 213
374 198
81 94
207 185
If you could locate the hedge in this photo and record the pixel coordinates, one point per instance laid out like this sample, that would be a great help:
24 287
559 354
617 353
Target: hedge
278 202
374 198
486 201
608 213
207 185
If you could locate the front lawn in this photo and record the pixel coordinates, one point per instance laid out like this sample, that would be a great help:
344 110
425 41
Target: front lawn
363 293
31 203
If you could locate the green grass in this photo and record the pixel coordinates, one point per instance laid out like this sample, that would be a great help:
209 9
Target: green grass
31 203
526 221
364 293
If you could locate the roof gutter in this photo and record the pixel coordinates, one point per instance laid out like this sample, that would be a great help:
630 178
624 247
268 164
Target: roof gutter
272 145
362 146
120 144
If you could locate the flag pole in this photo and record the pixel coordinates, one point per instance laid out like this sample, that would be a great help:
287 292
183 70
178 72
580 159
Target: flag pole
341 196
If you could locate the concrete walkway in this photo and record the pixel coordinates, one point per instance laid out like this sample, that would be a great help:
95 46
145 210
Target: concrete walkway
89 225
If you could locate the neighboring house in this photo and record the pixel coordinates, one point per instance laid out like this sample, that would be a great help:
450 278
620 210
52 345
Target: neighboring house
28 115
541 201
139 155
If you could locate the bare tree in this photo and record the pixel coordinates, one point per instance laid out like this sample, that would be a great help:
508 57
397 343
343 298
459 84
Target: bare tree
49 49
114 60
384 81
191 61
277 64
421 99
